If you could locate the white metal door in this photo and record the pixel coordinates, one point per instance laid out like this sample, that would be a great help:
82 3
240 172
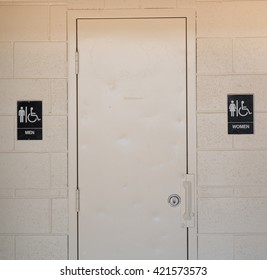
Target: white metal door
132 146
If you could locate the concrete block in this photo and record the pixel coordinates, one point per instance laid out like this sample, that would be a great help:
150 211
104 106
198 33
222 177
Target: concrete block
232 215
40 60
20 170
41 247
59 96
212 132
215 191
59 170
60 216
25 216
54 137
214 56
250 215
251 247
232 19
186 3
41 193
58 19
212 91
250 191
216 215
122 4
215 247
7 247
236 168
7 193
86 4
7 131
158 4
6 60
249 55
256 141
58 2
24 23
13 90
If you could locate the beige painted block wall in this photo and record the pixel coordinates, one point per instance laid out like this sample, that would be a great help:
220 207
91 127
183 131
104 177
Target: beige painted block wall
232 175
33 181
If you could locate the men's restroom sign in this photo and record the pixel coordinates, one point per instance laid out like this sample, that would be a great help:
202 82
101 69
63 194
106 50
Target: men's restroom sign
240 114
29 120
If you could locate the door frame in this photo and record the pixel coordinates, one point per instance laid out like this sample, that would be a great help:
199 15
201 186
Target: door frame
73 16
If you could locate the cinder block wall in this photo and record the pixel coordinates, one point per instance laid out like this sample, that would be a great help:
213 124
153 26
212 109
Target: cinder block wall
232 173
33 174
232 170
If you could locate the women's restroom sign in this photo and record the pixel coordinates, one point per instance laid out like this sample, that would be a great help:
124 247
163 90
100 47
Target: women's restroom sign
29 120
240 114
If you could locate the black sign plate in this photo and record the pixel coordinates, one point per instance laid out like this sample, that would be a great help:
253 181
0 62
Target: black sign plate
240 114
29 120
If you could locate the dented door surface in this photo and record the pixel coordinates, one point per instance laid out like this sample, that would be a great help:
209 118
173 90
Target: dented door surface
131 137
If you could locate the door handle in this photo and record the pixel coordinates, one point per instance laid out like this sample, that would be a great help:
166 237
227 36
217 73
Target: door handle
188 199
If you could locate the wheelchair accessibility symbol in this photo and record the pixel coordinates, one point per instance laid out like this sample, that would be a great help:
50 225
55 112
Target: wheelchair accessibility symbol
29 120
239 110
240 114
25 116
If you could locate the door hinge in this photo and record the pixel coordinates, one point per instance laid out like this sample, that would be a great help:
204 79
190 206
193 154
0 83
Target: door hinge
188 200
76 62
77 200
